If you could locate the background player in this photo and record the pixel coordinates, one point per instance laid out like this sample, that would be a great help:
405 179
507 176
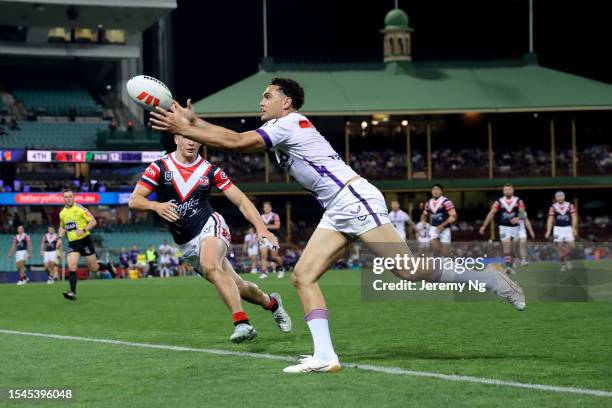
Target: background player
182 181
76 223
441 214
524 227
165 261
22 247
50 244
273 223
353 207
399 218
512 211
251 248
563 223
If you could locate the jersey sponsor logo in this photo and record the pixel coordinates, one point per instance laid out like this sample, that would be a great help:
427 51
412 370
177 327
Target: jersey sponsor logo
357 210
186 206
70 226
305 124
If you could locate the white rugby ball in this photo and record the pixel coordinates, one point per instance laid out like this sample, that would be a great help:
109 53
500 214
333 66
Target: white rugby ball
149 92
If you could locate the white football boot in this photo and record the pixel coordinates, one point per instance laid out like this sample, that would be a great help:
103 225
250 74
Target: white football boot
506 287
243 332
311 364
281 317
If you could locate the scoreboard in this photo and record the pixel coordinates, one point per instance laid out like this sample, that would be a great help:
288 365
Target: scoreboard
89 156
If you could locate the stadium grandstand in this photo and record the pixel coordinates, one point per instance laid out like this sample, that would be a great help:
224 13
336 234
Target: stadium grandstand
471 126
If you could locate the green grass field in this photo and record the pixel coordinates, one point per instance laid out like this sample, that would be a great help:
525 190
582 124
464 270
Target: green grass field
552 343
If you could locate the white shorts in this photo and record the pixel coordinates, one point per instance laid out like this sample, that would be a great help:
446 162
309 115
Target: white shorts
522 233
563 234
214 227
444 236
21 255
266 243
252 251
50 256
164 260
508 233
356 209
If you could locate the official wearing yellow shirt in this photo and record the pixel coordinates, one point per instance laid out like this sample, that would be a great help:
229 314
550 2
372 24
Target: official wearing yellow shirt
76 223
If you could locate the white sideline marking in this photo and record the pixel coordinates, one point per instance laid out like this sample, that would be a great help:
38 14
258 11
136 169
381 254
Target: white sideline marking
365 367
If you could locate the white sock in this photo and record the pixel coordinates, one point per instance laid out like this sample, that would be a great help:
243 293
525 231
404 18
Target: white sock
317 321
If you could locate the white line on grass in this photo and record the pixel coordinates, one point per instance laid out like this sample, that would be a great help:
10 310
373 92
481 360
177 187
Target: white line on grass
365 367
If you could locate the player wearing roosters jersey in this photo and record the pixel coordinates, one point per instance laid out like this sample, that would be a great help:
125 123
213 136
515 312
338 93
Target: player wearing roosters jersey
183 181
563 223
508 210
354 208
441 214
50 244
22 247
272 222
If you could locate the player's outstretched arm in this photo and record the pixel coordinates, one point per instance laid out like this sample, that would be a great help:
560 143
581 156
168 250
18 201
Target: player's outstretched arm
139 201
248 210
200 131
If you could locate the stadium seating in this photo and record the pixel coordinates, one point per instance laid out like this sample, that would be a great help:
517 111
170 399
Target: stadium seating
40 135
59 102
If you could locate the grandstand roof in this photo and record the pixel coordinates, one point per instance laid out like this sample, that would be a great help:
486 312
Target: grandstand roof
417 88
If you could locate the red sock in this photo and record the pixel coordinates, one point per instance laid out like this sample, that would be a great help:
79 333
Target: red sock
272 305
239 318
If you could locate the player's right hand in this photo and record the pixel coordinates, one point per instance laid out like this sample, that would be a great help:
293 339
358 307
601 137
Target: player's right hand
187 112
167 210
481 231
547 235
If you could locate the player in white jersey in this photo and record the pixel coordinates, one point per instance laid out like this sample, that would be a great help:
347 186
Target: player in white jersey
22 247
272 222
353 207
563 223
251 248
524 227
50 244
399 218
165 261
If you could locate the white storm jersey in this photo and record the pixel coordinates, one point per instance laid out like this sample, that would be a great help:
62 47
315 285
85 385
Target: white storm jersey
422 230
307 155
399 219
165 250
250 240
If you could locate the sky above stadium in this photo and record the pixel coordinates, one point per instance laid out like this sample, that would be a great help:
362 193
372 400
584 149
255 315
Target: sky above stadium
219 43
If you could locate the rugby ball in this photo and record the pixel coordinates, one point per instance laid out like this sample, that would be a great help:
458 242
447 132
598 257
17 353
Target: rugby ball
149 92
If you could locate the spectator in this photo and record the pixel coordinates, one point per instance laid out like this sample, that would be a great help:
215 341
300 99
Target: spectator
130 126
112 126
2 131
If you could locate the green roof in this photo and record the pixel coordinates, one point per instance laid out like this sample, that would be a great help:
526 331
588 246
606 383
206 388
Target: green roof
396 18
416 88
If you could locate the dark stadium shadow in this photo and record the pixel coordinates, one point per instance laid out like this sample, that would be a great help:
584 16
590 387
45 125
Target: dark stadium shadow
395 353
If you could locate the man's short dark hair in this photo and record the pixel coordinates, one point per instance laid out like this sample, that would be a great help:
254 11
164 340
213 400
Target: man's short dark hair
67 189
439 186
292 89
508 185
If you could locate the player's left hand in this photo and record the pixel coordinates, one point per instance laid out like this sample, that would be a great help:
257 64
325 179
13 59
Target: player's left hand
515 220
79 232
265 234
171 121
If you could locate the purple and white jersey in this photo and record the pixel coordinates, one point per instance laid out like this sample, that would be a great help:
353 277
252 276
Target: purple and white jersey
307 155
399 219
